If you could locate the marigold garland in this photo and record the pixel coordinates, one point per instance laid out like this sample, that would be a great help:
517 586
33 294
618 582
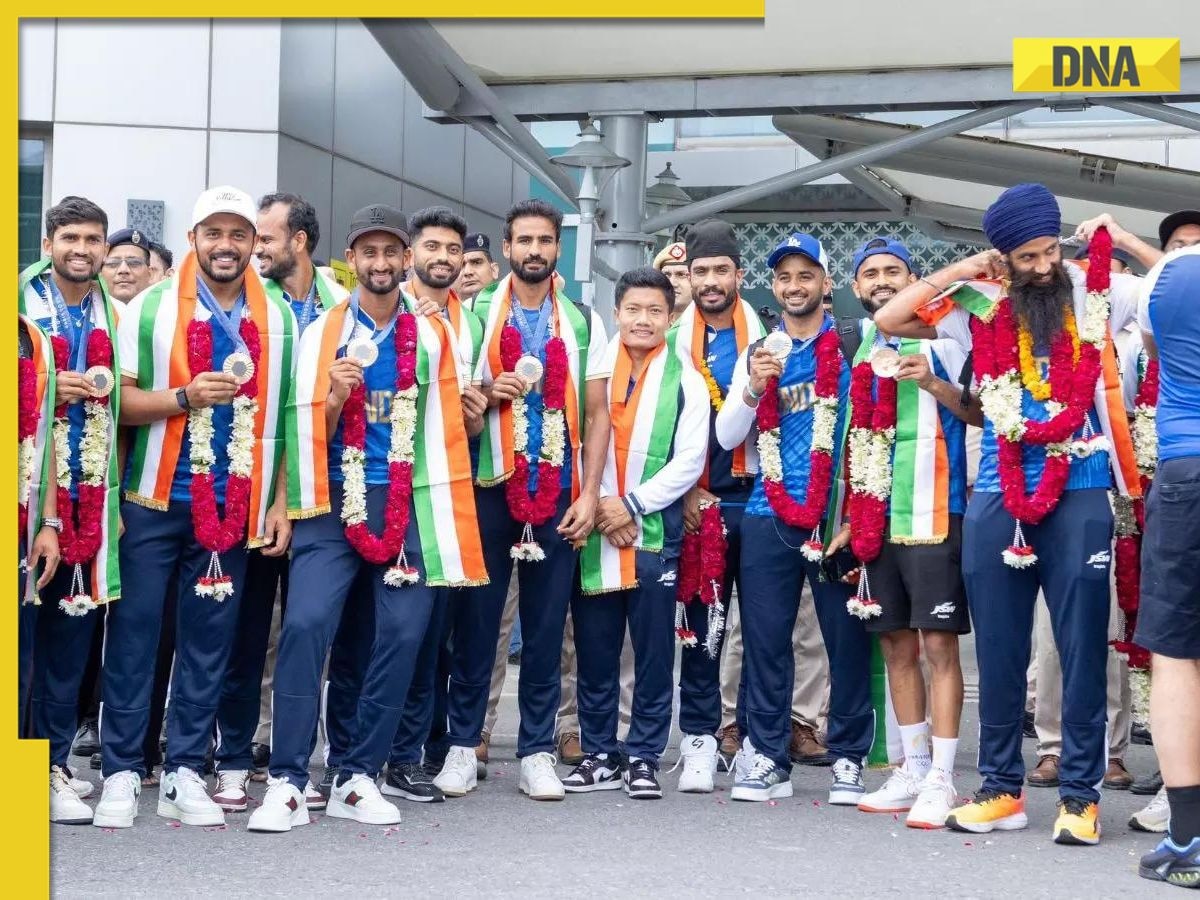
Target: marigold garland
1031 376
715 396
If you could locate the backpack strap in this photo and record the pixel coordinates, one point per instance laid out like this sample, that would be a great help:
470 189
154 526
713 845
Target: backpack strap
964 379
850 336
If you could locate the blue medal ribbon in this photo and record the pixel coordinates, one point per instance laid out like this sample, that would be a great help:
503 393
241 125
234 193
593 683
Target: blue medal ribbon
532 342
378 336
230 322
77 334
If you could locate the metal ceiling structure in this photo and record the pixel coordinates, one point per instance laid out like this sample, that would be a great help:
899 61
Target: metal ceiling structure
790 65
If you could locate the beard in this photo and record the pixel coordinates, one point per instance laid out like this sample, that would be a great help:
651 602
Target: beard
223 277
1042 307
365 282
812 303
434 281
280 268
520 270
67 275
711 306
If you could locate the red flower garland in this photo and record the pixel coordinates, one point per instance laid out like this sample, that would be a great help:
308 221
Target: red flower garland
81 534
868 513
28 415
536 509
702 572
213 533
380 549
806 515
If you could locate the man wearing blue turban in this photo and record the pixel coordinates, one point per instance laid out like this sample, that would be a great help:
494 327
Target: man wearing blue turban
1032 491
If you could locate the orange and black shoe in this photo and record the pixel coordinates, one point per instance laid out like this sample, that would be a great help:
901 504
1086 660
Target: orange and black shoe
989 811
1078 822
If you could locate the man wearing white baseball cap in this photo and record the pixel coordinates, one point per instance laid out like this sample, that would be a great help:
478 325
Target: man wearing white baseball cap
202 388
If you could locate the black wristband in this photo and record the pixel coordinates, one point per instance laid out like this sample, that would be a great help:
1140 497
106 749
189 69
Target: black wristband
181 398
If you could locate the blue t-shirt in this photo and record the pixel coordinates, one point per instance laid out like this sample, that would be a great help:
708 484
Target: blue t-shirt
1171 309
72 332
954 430
721 358
533 403
380 384
797 396
1090 472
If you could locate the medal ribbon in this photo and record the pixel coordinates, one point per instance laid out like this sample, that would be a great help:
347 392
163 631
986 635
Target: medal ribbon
76 338
230 322
532 342
377 336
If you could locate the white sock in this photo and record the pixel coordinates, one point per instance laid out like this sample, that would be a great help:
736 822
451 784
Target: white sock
915 741
944 750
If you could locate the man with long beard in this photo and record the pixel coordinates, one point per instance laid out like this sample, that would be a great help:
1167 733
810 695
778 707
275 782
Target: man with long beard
915 579
801 382
206 365
62 294
1060 539
542 368
710 335
377 432
286 232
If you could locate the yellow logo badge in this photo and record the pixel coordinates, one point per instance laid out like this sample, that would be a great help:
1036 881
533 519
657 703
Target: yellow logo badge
1096 65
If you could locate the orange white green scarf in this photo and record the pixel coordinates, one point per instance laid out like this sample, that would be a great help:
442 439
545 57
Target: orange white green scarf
33 464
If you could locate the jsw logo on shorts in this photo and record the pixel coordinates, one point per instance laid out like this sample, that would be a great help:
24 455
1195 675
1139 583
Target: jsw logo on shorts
1099 560
943 610
667 577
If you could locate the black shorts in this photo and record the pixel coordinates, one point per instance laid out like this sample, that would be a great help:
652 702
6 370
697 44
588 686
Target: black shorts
921 586
1168 619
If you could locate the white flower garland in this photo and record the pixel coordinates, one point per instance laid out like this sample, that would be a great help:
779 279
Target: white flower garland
520 425
871 461
1145 439
769 460
201 433
93 446
62 452
824 425
554 436
25 453
93 464
1000 397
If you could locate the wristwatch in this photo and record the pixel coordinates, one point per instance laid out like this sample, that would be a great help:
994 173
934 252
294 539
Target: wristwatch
182 399
53 522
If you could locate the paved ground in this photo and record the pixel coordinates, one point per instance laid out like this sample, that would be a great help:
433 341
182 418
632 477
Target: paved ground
496 842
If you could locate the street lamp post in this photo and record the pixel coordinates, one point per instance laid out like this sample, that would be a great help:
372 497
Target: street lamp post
596 165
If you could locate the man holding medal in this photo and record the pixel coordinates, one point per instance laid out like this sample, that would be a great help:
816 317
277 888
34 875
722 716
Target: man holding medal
286 232
205 362
377 433
541 455
793 387
909 538
1055 439
62 294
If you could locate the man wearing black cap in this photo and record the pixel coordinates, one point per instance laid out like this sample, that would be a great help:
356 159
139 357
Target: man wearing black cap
709 335
479 270
913 567
793 386
379 386
1039 516
162 262
127 265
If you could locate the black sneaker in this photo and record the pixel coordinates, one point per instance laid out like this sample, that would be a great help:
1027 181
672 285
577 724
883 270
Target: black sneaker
1140 734
641 780
1027 727
327 779
97 761
260 755
1173 864
596 773
764 779
1148 785
87 739
412 782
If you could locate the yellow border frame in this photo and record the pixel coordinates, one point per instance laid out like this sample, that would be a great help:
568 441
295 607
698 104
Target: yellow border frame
25 833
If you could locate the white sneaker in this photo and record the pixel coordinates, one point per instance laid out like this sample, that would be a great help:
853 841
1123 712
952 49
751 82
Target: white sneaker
743 760
118 805
898 794
81 787
282 809
182 795
458 775
359 799
1155 817
65 806
934 802
314 798
538 778
698 756
230 793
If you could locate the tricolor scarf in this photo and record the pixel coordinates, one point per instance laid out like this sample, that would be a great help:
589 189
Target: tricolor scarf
329 292
106 570
443 498
41 477
920 500
493 306
691 343
979 298
465 324
161 315
643 429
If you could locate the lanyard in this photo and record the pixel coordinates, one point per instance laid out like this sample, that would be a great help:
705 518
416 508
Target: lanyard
377 336
532 341
230 322
77 337
310 305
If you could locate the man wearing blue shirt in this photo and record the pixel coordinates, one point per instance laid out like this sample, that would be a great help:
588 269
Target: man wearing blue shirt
772 567
1167 623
